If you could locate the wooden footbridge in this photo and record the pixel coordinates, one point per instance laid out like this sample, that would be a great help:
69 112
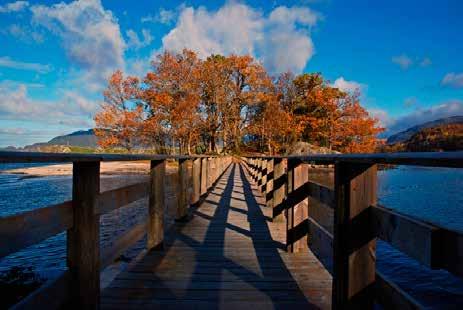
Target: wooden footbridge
251 232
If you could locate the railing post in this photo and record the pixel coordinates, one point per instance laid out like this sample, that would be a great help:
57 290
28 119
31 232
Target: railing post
209 172
196 180
279 188
263 181
156 207
354 242
254 165
259 172
269 183
83 239
203 176
296 214
182 195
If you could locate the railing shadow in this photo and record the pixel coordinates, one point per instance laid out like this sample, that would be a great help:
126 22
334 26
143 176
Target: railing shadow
210 258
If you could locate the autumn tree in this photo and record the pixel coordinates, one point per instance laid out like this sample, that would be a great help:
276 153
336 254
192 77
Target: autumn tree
119 122
249 86
193 104
172 97
356 130
214 84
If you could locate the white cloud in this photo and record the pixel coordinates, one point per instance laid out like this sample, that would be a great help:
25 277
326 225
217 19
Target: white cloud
348 86
164 16
453 79
72 110
383 117
137 43
403 61
23 33
7 62
90 35
13 6
281 40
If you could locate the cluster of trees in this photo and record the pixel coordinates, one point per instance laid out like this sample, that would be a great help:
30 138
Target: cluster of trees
447 137
192 105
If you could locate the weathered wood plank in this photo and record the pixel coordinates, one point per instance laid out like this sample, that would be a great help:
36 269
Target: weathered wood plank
83 239
321 243
114 199
279 187
354 259
227 252
125 241
196 181
432 159
203 176
415 238
156 205
321 193
182 194
25 229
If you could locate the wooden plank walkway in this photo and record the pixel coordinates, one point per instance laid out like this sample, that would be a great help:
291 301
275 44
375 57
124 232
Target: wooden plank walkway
226 256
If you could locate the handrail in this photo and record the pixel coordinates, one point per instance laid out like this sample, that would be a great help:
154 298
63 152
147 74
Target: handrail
432 159
346 246
41 157
80 217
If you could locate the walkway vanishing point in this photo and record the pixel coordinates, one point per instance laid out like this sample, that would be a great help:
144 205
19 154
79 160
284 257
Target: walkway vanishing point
260 234
228 255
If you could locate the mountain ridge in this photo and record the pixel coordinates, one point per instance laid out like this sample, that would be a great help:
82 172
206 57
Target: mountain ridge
405 135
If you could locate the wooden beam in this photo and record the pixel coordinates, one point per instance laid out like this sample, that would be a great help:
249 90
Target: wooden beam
203 176
321 243
196 181
182 194
269 184
297 212
263 181
114 199
354 263
279 187
415 238
321 193
25 229
259 172
156 205
83 239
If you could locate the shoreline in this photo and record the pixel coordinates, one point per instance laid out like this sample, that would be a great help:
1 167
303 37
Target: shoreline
106 168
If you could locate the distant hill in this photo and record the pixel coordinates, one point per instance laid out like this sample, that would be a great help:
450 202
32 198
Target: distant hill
446 137
81 138
407 134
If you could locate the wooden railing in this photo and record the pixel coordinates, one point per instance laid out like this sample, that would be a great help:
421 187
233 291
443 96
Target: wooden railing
340 225
79 217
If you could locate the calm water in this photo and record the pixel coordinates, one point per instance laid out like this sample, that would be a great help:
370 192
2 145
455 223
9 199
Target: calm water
431 194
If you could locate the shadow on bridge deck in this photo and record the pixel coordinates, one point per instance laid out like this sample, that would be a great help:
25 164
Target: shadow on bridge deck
228 255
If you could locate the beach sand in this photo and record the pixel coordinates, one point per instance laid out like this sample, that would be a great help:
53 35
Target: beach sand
106 168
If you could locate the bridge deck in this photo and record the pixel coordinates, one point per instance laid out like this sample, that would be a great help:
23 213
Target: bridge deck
228 255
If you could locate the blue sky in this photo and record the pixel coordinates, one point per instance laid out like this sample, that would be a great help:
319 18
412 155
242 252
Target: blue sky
404 56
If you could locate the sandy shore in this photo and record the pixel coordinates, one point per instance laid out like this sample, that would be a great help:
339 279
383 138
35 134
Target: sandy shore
106 168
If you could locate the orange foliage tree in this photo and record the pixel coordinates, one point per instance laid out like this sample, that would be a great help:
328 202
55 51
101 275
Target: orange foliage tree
119 121
190 104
